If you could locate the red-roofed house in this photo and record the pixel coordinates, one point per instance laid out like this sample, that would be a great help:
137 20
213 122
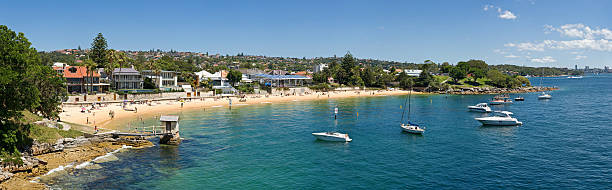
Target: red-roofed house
77 79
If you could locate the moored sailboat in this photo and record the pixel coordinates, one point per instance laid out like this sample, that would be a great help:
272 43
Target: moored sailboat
410 127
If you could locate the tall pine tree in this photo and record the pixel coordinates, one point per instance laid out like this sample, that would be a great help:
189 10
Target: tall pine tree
98 51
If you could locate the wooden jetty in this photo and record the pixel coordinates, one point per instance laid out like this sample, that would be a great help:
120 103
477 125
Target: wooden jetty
168 131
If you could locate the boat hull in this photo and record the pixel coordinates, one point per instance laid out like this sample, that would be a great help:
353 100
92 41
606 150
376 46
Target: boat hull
482 110
499 122
411 129
544 97
333 138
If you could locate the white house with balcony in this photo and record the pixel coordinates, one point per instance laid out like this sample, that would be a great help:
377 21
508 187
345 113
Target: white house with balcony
127 78
163 79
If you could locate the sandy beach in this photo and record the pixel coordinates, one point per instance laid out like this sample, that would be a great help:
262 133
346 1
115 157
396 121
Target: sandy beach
101 118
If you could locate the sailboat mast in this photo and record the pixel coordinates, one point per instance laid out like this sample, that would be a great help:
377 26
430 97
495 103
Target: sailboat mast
404 111
409 99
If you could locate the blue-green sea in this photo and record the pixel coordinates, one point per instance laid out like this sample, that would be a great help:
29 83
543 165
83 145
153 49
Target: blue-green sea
564 143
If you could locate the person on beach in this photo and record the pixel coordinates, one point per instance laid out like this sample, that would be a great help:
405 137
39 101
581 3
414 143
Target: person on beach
135 109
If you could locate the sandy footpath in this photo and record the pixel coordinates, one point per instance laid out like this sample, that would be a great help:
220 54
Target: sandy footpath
100 116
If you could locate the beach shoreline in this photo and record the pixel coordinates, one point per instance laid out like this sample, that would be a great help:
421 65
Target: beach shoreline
100 117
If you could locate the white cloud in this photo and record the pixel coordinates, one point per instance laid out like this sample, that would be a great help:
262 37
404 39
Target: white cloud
507 15
547 59
503 14
526 46
579 57
582 31
588 39
511 56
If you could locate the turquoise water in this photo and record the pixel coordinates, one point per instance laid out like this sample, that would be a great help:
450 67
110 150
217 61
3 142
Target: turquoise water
565 143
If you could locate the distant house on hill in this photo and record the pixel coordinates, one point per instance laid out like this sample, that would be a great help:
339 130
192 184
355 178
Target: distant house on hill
414 73
78 80
127 78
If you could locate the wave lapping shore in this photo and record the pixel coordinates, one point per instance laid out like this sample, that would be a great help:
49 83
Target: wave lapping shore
44 160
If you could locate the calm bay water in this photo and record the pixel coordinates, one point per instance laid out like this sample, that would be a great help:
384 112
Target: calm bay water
564 143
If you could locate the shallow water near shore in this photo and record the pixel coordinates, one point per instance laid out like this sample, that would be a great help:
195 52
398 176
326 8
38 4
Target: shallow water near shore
564 143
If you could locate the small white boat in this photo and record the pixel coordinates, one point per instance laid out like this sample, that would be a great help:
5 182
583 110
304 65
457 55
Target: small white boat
481 107
412 128
544 96
501 118
332 136
574 77
519 99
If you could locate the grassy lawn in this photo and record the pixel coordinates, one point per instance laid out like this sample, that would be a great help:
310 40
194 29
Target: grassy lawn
46 134
50 135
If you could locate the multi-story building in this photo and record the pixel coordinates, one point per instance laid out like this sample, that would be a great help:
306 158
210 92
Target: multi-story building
126 78
319 67
78 80
163 79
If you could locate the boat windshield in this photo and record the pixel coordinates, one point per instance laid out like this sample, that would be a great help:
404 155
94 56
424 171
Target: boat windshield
501 114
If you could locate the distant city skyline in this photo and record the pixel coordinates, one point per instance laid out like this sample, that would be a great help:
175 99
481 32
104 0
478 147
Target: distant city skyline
521 32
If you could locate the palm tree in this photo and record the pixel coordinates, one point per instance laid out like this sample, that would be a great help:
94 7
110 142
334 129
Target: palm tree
91 66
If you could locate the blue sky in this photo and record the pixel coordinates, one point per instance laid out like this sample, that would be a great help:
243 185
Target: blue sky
520 32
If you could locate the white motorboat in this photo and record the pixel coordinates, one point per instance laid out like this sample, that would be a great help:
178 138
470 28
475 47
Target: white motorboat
410 127
481 107
574 77
544 96
332 136
501 118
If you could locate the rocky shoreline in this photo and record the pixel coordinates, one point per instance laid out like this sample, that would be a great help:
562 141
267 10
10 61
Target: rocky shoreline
493 90
43 159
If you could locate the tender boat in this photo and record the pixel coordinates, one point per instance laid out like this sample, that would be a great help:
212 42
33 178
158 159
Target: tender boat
544 96
500 118
410 127
481 107
520 98
332 136
501 100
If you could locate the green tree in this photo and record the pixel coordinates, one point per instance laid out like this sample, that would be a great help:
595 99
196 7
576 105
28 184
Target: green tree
148 83
234 76
523 80
497 78
319 77
98 51
477 73
445 67
457 74
346 73
91 68
424 79
25 84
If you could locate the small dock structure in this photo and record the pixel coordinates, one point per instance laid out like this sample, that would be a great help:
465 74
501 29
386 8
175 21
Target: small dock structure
171 130
168 130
